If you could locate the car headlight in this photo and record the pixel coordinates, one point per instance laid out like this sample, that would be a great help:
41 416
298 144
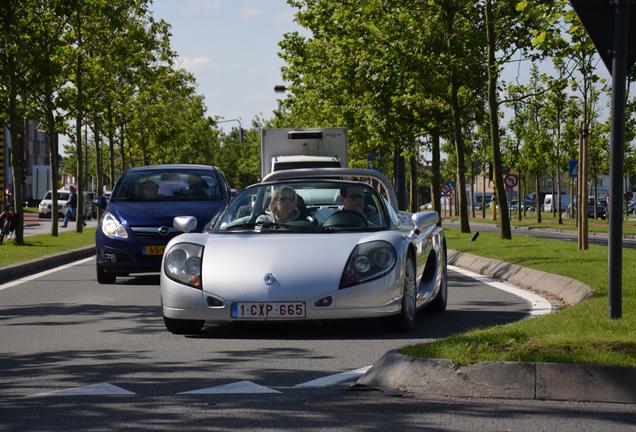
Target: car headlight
182 264
112 228
368 261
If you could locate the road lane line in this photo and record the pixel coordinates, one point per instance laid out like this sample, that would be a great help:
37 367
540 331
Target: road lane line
102 389
334 379
240 387
538 304
44 273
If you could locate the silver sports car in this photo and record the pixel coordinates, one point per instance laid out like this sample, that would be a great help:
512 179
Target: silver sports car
306 245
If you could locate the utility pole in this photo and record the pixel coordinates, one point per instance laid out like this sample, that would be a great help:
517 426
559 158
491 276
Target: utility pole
582 189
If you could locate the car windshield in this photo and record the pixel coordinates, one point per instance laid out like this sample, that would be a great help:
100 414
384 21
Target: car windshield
167 185
305 206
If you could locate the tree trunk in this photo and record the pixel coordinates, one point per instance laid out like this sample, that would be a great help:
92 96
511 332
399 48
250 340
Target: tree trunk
78 127
505 232
483 196
436 182
111 150
122 147
460 170
414 198
50 127
537 199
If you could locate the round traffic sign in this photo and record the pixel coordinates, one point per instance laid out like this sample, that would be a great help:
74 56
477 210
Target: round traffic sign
511 180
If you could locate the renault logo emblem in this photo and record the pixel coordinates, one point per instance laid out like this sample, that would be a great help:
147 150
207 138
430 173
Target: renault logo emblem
164 230
269 279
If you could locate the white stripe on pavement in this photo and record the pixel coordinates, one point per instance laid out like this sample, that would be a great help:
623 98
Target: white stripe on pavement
334 379
44 273
240 387
538 304
102 389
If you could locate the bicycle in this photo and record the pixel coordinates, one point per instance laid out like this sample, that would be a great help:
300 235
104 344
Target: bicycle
8 223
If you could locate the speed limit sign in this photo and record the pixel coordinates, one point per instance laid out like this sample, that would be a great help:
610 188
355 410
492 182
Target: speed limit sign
511 180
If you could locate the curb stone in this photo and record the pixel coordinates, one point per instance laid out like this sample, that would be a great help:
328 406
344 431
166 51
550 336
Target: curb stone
569 290
17 271
503 380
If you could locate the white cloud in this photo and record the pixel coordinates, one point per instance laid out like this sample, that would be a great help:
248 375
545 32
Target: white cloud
199 64
250 12
197 6
285 17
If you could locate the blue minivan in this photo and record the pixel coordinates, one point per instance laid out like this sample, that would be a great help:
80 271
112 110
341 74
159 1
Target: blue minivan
137 221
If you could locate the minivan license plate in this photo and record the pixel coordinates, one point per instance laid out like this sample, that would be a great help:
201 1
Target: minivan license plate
155 250
282 310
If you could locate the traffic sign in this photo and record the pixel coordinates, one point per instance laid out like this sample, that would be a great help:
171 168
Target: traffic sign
511 180
573 167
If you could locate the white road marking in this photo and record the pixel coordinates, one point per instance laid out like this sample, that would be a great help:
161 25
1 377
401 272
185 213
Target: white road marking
240 387
102 389
538 304
44 273
334 379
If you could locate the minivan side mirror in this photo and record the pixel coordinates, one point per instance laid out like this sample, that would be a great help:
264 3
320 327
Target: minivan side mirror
185 224
100 202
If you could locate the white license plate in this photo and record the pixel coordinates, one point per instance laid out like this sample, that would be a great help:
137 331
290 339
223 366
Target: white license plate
282 310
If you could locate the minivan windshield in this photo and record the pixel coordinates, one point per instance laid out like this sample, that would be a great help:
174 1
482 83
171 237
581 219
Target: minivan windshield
168 185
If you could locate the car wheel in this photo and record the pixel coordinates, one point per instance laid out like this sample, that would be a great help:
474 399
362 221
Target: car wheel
406 319
438 305
181 327
103 277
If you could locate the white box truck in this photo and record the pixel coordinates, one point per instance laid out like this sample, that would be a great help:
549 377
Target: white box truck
287 148
549 202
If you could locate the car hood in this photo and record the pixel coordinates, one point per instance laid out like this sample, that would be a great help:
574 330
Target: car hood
161 213
304 266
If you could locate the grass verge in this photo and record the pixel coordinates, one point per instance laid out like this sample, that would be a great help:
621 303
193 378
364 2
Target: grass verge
38 246
579 334
550 222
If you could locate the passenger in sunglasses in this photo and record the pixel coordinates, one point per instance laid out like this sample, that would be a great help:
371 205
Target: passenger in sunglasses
282 207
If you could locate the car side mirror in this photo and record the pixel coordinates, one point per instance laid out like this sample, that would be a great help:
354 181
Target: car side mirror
185 224
100 202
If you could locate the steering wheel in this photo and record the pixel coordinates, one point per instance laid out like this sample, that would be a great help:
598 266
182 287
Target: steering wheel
346 219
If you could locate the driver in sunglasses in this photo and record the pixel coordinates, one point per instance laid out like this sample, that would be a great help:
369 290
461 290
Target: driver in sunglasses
282 207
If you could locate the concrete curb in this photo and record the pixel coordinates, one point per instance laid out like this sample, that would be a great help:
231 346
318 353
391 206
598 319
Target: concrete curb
504 380
569 290
17 271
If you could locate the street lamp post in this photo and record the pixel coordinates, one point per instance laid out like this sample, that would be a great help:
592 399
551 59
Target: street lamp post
233 120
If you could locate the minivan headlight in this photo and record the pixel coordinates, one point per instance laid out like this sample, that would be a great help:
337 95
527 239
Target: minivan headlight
368 261
182 263
112 228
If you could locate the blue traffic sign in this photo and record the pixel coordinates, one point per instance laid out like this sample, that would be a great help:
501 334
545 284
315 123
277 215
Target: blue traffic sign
573 167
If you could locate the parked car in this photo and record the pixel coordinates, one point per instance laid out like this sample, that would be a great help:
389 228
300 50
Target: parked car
44 208
137 221
600 208
326 263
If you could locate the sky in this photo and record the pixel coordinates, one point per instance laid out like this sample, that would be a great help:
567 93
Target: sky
231 48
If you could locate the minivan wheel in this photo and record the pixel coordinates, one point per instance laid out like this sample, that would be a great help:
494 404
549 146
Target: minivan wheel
182 327
103 277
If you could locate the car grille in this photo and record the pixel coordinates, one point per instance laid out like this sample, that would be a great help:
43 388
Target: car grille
152 233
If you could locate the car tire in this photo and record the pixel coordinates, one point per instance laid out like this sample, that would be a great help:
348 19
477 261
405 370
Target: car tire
105 278
405 321
438 304
183 327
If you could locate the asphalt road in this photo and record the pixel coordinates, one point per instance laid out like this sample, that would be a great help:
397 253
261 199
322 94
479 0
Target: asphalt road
64 331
